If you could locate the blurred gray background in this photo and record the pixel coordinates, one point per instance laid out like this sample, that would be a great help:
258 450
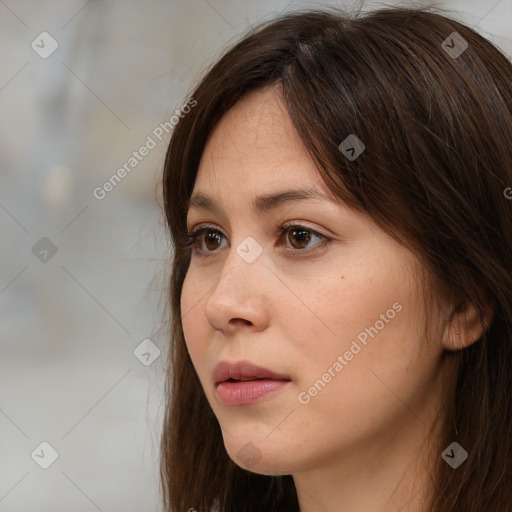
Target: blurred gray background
83 84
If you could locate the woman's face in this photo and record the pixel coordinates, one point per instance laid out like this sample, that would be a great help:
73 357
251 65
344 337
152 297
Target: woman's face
333 307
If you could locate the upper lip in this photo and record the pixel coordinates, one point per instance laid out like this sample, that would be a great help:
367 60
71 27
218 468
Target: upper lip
226 370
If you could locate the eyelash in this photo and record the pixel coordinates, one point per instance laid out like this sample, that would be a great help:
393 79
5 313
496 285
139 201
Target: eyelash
192 239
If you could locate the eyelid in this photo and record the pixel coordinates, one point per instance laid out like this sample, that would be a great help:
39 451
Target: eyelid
299 223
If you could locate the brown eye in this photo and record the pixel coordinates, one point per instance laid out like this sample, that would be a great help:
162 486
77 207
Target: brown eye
196 240
300 240
211 239
299 237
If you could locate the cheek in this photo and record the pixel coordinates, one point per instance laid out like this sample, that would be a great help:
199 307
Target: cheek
369 325
192 319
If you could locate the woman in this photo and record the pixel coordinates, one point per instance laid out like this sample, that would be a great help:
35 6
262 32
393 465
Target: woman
339 204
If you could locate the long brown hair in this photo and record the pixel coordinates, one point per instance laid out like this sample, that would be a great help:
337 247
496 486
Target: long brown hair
435 174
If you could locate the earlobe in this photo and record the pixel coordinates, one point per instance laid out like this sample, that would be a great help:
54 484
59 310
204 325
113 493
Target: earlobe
465 326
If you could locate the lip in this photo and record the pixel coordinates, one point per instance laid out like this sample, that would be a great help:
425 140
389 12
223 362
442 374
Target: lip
236 392
226 370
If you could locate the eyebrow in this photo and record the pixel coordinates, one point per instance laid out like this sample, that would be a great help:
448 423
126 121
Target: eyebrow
260 204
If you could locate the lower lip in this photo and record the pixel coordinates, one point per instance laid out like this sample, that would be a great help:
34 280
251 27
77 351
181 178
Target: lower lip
248 392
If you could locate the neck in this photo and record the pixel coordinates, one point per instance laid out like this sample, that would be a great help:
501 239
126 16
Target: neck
388 475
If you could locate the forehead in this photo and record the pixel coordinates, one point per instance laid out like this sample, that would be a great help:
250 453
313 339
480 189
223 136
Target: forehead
255 147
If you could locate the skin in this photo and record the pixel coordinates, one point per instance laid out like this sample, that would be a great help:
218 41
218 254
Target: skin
361 441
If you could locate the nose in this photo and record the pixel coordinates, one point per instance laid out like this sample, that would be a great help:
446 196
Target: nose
241 295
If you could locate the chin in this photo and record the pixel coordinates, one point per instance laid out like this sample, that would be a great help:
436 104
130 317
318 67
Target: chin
259 457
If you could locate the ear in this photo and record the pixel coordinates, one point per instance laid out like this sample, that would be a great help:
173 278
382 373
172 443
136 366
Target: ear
464 326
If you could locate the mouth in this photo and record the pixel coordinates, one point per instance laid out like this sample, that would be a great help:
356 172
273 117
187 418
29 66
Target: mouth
244 383
244 371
